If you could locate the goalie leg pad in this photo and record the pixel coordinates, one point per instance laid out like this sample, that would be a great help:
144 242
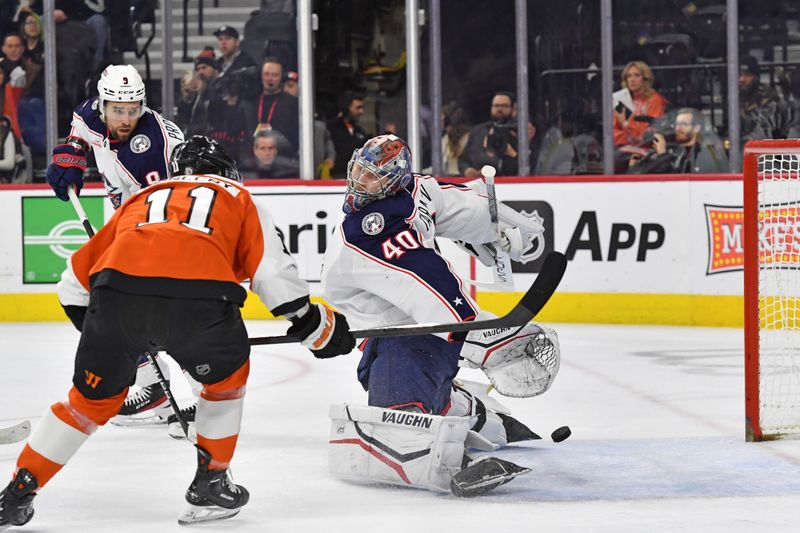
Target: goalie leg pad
491 425
396 447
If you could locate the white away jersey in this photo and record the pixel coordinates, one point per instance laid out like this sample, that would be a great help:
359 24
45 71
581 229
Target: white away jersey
127 166
382 266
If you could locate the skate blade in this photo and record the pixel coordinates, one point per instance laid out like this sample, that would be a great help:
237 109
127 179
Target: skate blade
195 514
176 432
150 420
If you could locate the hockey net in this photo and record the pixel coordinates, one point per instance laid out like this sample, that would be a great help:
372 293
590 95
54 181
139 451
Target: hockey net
772 288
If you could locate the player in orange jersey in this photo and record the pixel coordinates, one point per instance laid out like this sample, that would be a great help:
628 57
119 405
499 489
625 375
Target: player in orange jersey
165 273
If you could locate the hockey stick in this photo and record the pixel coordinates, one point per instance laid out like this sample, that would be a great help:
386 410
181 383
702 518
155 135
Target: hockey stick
15 433
150 359
503 278
528 307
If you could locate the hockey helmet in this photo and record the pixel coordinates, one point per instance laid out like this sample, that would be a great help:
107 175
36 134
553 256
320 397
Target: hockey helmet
202 155
380 168
120 83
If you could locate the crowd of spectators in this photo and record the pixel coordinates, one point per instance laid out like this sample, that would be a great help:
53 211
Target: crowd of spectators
247 98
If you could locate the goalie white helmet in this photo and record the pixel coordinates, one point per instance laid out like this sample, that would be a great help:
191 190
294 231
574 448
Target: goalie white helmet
120 83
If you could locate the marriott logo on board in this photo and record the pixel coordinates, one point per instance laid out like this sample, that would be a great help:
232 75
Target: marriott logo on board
778 237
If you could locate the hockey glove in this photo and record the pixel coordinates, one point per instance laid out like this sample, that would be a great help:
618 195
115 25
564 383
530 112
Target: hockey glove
521 361
66 170
323 331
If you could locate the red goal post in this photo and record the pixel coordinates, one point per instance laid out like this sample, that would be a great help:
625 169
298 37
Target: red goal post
772 288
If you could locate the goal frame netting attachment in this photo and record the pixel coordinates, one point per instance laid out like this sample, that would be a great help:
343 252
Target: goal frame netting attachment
771 179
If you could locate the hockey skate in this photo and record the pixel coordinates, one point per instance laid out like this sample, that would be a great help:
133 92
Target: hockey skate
484 474
212 495
176 431
16 500
148 406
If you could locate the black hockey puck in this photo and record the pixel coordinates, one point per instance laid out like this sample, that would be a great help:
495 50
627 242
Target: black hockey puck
561 434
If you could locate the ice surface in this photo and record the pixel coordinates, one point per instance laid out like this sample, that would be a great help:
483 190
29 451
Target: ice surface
657 419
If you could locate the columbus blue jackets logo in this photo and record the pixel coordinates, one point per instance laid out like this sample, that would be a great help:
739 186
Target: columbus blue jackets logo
372 224
140 144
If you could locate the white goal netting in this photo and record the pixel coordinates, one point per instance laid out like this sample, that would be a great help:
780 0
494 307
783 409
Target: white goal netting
779 293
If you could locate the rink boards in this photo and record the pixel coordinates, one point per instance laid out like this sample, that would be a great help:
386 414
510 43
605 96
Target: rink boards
643 250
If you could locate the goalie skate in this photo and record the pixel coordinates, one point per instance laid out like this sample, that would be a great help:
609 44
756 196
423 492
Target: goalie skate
146 407
484 474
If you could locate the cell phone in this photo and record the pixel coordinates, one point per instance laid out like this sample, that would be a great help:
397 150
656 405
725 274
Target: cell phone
622 109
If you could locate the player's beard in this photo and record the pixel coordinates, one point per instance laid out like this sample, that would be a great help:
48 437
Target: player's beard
122 136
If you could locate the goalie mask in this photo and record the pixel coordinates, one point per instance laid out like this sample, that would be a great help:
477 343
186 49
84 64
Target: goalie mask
380 168
202 155
120 83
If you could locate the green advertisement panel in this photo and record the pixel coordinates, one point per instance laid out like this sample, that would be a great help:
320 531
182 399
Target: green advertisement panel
51 232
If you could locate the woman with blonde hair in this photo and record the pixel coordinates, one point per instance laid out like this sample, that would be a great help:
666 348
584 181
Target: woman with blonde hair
648 104
456 134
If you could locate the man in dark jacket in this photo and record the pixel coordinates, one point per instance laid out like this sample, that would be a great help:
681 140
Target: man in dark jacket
345 132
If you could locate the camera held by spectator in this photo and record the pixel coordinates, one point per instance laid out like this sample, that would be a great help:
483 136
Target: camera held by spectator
235 81
499 137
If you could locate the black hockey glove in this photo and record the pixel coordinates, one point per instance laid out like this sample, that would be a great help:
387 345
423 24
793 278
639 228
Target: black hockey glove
323 331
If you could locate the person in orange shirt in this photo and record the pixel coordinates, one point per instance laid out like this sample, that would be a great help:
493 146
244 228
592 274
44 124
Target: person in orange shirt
165 272
648 104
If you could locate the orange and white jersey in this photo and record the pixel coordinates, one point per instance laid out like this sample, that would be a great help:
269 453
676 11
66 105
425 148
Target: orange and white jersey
193 236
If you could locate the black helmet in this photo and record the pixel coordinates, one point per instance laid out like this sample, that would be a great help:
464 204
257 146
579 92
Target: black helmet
201 155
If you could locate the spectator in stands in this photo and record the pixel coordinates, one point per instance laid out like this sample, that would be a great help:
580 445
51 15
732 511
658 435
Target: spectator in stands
276 109
2 89
290 85
31 112
92 13
269 160
11 158
456 134
686 152
236 64
630 125
648 104
13 67
494 142
324 151
754 99
347 135
197 91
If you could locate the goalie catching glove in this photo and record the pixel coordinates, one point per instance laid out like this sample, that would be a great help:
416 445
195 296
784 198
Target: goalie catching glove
521 237
323 331
67 168
520 362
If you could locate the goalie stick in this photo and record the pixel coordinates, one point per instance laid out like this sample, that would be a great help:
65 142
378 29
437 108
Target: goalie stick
15 433
526 309
503 277
150 359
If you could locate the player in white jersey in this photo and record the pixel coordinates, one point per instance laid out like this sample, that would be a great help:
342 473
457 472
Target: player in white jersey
132 145
382 267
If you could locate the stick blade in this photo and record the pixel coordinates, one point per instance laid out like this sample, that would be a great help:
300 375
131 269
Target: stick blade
16 433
